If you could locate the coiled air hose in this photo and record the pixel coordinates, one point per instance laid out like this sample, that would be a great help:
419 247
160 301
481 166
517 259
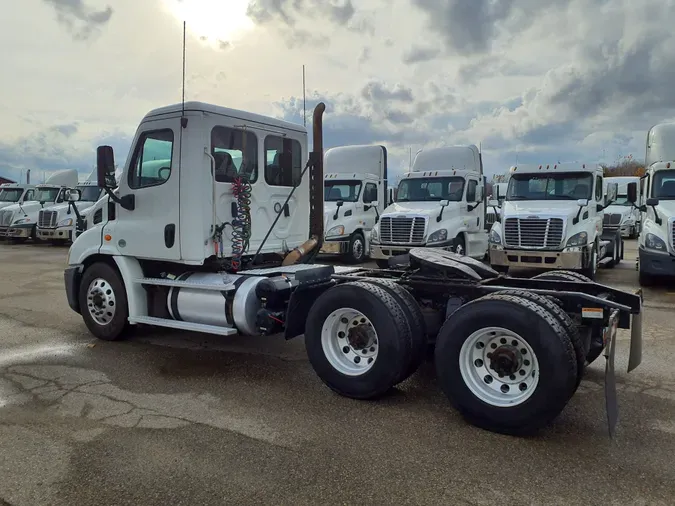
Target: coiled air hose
241 223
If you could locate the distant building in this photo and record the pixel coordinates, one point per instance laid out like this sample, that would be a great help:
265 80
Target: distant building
5 180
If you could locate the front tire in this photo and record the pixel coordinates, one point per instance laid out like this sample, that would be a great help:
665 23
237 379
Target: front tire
357 248
103 302
524 343
459 246
592 268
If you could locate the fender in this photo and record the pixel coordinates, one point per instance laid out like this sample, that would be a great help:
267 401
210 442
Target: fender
130 270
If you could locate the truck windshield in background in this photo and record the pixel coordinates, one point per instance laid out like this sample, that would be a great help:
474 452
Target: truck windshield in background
10 195
348 191
621 200
663 186
563 186
46 194
89 193
431 189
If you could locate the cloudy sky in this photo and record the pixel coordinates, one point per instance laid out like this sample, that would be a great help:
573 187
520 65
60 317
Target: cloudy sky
532 80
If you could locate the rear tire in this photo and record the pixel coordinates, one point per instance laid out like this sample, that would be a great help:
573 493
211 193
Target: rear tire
103 302
330 330
563 276
520 407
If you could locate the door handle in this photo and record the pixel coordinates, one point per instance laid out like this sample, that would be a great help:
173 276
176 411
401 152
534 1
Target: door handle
169 235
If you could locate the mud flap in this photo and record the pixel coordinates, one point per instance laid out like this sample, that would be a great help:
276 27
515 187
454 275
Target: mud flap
611 401
635 357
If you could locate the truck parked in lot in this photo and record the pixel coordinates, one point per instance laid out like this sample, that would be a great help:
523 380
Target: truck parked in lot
58 223
440 204
552 219
198 239
355 195
15 193
656 244
19 221
621 214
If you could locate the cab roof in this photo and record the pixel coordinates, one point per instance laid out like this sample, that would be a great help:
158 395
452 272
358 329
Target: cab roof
195 106
556 167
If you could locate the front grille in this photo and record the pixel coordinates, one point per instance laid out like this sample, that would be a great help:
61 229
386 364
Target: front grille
612 220
47 219
6 218
402 230
672 234
490 218
533 232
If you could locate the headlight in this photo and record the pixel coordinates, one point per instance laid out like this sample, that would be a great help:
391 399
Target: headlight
656 243
65 223
21 220
580 239
438 236
374 235
629 221
494 237
339 230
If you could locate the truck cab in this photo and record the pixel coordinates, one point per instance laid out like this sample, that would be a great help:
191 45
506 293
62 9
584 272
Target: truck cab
15 193
552 218
58 223
19 221
622 215
355 195
439 203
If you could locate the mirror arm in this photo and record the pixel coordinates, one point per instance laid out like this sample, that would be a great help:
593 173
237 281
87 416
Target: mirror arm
576 218
127 202
78 216
657 218
440 215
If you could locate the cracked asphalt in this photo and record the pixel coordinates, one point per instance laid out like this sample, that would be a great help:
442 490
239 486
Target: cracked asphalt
179 418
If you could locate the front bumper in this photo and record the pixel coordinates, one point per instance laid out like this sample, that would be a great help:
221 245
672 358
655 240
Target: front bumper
573 260
72 277
50 234
335 247
17 231
386 251
656 264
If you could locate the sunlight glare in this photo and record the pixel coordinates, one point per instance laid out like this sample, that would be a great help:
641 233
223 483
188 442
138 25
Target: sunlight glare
215 20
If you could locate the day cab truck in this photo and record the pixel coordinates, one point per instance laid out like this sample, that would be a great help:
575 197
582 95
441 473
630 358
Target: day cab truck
656 244
621 214
19 221
552 218
58 223
439 204
15 193
195 237
355 195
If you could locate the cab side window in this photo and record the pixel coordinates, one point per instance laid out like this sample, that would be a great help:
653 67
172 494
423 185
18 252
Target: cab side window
151 161
235 151
598 188
283 161
471 190
370 193
30 195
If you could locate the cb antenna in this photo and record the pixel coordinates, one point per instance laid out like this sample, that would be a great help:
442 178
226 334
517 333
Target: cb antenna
304 99
182 113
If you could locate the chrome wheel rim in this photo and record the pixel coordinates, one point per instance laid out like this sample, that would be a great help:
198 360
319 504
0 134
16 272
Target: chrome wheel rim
101 301
349 341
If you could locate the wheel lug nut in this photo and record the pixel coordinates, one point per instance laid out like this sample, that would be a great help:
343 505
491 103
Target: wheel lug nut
344 320
526 362
341 335
504 388
488 379
480 345
357 360
364 352
523 351
502 340
512 377
521 372
345 349
372 349
514 343
370 360
478 363
522 387
493 346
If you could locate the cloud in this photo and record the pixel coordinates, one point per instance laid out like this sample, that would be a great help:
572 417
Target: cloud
417 54
287 11
81 21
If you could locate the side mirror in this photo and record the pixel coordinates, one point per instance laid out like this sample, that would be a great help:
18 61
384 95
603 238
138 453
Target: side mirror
631 193
493 203
582 202
444 203
105 167
652 202
73 195
340 203
612 190
479 194
374 203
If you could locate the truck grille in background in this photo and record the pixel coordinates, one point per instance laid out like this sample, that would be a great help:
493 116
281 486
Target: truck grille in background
402 230
611 220
533 233
490 218
672 234
6 218
46 219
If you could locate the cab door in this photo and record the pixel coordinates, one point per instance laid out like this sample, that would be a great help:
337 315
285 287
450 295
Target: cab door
475 215
369 196
151 230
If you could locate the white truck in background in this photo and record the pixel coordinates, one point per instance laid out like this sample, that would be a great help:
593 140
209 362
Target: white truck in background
621 214
656 244
58 223
102 210
19 221
15 193
439 203
498 194
552 218
355 195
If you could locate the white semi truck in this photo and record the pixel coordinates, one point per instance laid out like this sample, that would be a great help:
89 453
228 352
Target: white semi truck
355 195
440 204
656 244
15 193
552 219
201 242
622 215
58 223
19 221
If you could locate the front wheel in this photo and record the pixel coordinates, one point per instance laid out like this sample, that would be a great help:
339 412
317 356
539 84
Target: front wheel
103 302
460 245
357 248
592 268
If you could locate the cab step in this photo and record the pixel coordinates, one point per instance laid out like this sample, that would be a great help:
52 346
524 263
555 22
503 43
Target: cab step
606 260
185 284
181 325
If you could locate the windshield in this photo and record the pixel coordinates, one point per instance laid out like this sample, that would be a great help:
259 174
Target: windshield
663 186
89 193
12 195
348 191
570 186
621 200
431 189
46 194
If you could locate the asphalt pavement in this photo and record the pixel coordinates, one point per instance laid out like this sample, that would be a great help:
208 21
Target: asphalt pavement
178 418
